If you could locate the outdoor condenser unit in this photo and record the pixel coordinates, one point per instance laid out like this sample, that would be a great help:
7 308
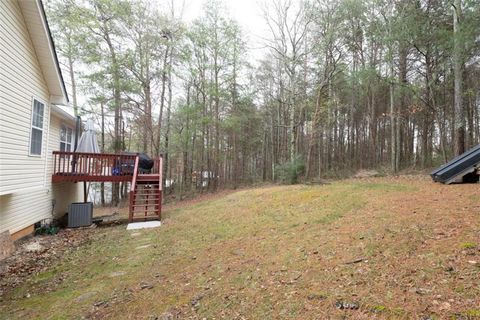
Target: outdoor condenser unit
80 214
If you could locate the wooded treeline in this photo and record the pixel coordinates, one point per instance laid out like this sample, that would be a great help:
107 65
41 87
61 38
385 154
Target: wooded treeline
342 85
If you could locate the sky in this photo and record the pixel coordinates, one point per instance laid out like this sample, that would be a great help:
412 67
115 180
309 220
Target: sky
247 13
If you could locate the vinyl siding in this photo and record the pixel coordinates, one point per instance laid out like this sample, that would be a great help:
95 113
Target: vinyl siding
27 194
66 192
21 81
23 208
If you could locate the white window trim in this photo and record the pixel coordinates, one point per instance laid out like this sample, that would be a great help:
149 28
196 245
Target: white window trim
66 135
45 105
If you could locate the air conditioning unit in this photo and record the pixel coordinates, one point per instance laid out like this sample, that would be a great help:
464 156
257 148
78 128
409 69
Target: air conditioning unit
80 214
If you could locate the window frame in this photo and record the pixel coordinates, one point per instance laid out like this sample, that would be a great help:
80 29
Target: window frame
66 142
42 129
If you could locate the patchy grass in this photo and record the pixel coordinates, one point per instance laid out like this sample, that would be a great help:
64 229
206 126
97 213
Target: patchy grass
394 247
468 245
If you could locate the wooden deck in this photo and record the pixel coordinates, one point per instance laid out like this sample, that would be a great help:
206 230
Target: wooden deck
145 187
94 167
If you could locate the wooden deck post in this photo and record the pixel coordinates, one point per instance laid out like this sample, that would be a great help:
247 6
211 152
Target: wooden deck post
160 187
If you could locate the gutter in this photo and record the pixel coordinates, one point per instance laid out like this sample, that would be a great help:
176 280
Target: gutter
62 113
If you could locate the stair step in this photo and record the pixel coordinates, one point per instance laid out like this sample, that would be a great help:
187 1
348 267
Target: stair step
142 213
144 218
156 175
145 200
148 177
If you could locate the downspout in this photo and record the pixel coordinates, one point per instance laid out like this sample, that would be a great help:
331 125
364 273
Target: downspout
47 144
78 124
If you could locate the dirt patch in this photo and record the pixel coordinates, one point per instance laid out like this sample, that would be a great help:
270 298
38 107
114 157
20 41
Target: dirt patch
366 174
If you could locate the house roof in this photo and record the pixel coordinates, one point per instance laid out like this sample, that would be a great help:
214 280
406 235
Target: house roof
62 114
37 25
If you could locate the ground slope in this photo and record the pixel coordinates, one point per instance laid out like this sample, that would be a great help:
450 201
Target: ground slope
395 247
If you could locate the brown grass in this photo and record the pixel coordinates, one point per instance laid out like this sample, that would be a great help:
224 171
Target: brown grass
400 248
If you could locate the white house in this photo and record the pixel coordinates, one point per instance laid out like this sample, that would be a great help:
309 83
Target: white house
32 124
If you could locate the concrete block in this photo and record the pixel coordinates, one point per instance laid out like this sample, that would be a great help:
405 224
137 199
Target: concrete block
7 247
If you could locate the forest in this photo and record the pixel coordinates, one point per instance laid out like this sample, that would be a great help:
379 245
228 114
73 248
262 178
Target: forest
341 85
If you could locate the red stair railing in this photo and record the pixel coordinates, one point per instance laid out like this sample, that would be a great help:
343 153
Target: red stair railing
133 189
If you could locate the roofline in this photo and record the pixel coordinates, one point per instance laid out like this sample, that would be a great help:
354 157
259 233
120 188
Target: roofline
62 113
51 43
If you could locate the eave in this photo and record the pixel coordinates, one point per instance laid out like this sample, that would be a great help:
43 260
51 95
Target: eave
39 31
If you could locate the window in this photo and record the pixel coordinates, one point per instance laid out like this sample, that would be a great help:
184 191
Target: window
66 138
36 134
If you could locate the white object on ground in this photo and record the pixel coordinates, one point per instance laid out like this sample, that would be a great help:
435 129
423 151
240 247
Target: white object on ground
33 247
143 225
142 247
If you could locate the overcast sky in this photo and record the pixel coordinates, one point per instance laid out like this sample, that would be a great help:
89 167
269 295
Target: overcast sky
247 13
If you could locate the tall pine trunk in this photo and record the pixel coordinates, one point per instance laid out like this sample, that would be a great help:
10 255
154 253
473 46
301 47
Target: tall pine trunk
459 110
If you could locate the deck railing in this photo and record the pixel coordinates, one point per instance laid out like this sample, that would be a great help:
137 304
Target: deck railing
80 166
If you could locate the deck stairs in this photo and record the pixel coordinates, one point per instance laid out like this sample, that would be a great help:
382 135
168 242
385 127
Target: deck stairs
146 194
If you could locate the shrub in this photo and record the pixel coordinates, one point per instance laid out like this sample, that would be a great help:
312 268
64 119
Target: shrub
289 172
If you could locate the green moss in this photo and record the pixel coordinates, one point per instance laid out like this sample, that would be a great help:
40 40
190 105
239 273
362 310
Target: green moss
475 313
468 245
379 309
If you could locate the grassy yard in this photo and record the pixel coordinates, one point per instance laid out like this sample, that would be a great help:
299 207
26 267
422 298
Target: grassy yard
397 248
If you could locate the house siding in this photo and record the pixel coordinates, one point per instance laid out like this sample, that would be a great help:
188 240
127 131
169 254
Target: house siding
23 208
26 192
66 192
21 81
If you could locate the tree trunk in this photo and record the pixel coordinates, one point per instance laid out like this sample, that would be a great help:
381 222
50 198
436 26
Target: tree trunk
169 109
102 146
393 154
162 101
459 120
